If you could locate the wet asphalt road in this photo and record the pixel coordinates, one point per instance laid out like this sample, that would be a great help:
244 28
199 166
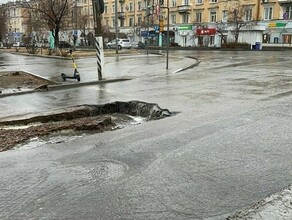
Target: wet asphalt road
227 146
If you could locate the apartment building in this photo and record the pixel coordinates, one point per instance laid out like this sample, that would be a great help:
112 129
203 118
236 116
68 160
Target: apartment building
191 22
196 22
16 22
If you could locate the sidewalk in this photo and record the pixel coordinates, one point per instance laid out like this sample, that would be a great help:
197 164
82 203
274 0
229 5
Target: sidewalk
275 206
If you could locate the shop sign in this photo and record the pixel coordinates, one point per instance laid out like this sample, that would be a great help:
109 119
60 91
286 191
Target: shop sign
185 27
206 31
277 25
144 33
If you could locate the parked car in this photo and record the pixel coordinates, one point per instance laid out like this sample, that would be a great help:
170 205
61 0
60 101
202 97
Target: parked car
16 44
138 45
122 43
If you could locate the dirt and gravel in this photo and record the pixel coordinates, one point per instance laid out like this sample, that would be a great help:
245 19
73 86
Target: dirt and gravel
13 81
93 118
18 81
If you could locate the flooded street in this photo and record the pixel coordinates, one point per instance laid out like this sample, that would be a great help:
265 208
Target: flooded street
226 147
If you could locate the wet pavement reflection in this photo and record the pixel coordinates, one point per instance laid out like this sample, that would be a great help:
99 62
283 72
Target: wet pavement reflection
228 146
148 74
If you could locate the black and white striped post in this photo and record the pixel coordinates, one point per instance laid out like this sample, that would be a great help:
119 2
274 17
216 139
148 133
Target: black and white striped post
98 9
99 55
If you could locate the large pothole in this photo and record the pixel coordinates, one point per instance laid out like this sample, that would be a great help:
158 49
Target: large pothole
68 123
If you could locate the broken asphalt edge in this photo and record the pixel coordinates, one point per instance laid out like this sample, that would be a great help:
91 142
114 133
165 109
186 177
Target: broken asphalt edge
65 86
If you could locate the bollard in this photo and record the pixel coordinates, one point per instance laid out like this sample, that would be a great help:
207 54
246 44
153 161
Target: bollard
99 55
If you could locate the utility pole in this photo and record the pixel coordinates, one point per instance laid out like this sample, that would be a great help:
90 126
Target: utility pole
116 25
148 14
167 35
98 9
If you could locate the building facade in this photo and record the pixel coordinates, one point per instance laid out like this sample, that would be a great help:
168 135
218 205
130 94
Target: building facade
16 21
192 23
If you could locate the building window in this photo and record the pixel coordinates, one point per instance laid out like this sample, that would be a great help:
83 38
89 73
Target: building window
213 1
248 14
224 16
173 3
186 2
105 9
288 12
139 6
113 21
106 21
139 21
199 2
173 19
185 18
131 22
113 8
213 16
268 13
131 8
199 17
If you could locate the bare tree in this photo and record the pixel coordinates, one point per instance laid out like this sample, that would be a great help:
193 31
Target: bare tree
3 26
221 29
82 24
236 18
54 13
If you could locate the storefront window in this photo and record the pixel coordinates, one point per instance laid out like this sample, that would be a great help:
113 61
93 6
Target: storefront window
287 38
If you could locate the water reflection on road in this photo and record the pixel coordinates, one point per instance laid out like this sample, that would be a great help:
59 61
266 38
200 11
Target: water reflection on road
150 79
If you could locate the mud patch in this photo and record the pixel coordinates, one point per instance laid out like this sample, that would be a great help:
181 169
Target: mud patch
78 120
19 81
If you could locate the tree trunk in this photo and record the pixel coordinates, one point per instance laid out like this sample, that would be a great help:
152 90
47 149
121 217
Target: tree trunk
57 30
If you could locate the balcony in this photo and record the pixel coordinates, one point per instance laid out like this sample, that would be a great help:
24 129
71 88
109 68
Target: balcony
121 15
279 1
184 9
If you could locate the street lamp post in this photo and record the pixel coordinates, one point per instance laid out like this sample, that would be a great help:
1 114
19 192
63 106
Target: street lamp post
167 35
116 25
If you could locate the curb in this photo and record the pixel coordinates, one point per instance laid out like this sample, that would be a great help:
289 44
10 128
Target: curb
275 206
46 88
189 66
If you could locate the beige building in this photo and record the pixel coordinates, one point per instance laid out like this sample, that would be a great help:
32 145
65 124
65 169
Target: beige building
191 22
16 23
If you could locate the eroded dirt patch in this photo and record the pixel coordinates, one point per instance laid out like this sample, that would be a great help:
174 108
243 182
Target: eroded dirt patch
97 118
15 81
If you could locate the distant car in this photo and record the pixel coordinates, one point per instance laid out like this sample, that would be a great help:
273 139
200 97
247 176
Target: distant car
138 45
22 44
122 43
16 44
